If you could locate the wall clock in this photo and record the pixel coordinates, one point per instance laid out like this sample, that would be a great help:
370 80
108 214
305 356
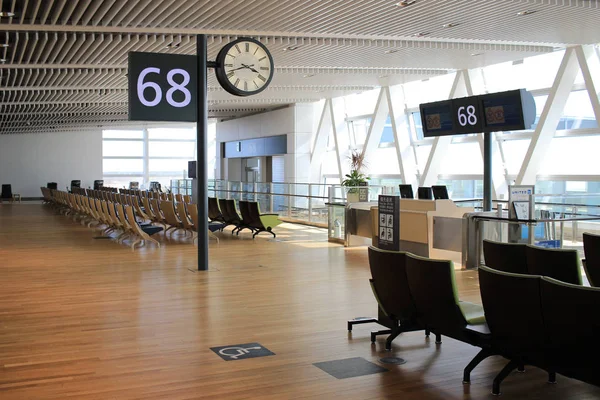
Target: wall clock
244 67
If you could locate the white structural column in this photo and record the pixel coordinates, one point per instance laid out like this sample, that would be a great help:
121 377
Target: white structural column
586 56
441 143
377 124
407 160
340 134
544 132
319 146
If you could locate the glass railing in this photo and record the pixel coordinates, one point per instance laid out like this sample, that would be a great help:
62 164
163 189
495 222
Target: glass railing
557 221
302 202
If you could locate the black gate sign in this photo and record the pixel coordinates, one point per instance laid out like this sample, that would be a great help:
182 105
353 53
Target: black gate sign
389 222
162 87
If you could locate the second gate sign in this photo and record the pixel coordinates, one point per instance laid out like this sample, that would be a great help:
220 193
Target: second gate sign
162 87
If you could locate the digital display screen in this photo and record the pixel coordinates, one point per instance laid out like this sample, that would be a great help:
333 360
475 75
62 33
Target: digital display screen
503 110
437 118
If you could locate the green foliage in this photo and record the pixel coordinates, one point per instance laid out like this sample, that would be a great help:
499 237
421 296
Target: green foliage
354 178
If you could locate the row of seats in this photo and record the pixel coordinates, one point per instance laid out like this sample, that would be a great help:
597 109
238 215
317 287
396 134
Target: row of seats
115 217
225 211
153 210
112 194
415 293
543 322
561 264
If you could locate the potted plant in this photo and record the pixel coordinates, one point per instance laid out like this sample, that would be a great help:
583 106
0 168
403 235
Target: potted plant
355 177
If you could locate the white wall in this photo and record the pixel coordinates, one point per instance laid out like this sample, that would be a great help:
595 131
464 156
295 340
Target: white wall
296 121
29 161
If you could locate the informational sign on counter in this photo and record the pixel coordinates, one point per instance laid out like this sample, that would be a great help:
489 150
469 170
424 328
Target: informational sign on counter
518 208
389 220
363 192
518 193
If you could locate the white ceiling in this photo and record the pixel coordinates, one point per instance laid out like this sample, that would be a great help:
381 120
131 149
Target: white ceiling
66 61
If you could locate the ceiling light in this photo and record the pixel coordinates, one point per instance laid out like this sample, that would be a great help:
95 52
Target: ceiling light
421 34
391 51
406 3
308 75
6 14
450 25
290 48
476 54
527 12
4 45
2 60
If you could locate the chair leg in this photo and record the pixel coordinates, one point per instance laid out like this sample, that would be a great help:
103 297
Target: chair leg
482 355
551 377
390 339
438 338
427 332
377 333
353 322
508 368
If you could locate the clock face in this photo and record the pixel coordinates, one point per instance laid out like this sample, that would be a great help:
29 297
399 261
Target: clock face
245 67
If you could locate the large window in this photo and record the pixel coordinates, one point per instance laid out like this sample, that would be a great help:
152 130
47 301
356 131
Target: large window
153 154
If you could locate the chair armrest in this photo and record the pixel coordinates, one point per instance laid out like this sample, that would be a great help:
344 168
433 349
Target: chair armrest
472 312
270 220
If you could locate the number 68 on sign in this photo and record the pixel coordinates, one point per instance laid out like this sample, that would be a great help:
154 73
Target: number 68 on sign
162 87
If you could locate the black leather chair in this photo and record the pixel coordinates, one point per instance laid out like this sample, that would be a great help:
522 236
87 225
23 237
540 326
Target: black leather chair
572 329
230 218
6 193
261 222
507 257
246 217
513 311
214 212
433 290
561 264
591 246
390 287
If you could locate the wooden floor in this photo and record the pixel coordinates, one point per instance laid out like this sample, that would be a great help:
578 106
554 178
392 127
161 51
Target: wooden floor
86 318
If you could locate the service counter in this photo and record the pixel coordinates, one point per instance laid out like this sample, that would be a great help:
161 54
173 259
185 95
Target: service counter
429 228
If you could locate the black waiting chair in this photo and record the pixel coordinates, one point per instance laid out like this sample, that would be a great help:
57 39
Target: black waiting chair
246 217
433 290
591 247
214 212
6 193
230 218
507 257
572 329
561 264
390 287
513 311
261 222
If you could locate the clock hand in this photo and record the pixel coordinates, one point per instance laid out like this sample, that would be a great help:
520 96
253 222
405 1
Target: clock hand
250 67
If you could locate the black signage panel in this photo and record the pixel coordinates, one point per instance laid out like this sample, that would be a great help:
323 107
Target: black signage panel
389 222
162 87
505 111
